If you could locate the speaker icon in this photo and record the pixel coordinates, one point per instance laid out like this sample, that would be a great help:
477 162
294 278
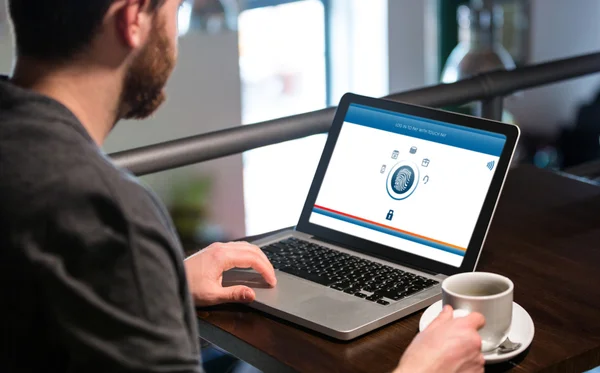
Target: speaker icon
491 165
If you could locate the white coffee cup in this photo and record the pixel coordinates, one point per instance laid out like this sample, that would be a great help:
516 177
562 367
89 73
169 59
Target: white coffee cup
486 293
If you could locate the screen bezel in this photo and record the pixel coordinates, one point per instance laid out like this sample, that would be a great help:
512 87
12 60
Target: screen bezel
394 255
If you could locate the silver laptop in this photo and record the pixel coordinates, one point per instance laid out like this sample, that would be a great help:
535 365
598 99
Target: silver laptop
402 198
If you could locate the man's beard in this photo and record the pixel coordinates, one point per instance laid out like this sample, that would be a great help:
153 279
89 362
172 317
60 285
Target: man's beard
143 89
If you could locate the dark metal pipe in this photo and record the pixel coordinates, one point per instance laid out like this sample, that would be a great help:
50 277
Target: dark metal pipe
201 148
501 82
205 147
492 108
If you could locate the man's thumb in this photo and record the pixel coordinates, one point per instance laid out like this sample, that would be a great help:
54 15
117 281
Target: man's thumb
238 294
444 316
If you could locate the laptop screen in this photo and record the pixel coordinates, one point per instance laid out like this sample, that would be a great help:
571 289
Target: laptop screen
409 183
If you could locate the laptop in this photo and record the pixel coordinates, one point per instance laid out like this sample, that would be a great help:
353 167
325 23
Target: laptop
403 197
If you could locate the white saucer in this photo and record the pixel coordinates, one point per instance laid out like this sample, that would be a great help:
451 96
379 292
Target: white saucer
521 330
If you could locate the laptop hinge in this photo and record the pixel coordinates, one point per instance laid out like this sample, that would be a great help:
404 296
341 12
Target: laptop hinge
375 256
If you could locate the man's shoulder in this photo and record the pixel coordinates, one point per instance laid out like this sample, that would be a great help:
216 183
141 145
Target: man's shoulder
49 182
49 163
39 154
42 166
37 125
49 149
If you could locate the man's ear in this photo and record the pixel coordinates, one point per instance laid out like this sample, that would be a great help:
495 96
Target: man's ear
134 21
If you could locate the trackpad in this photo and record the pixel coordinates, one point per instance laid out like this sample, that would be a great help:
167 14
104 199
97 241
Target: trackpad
330 310
248 278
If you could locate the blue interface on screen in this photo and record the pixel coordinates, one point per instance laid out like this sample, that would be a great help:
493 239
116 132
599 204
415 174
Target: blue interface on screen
409 183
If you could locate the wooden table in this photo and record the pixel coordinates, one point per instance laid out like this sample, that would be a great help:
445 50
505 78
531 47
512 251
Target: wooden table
545 236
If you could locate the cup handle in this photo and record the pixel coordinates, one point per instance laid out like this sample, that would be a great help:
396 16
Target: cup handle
461 312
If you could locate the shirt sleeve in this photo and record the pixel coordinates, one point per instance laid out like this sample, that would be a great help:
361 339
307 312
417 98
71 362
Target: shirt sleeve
112 288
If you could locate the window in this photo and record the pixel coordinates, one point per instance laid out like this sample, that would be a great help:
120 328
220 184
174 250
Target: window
283 72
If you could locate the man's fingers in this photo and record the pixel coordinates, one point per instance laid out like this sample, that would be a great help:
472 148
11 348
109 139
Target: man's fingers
444 316
474 320
236 294
255 250
246 245
258 250
249 258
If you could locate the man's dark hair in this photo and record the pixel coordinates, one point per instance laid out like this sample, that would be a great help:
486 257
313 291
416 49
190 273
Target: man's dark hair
57 29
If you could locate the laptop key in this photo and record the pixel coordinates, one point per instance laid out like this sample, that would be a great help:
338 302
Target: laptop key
308 276
373 298
417 284
279 265
271 249
389 294
342 284
383 302
369 288
360 295
280 245
413 289
355 277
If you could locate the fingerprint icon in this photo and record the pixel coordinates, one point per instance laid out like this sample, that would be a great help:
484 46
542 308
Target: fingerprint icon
403 179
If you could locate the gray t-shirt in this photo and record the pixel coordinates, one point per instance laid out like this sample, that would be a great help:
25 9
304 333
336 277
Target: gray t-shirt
91 269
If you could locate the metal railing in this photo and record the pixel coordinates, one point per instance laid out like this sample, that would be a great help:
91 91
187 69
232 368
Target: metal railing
489 88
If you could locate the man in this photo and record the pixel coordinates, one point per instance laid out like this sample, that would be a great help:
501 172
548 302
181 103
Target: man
92 277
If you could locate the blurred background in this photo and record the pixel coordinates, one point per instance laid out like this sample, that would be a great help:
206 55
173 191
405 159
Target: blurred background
247 61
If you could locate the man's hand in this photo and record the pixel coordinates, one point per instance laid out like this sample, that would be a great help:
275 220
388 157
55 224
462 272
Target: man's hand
205 272
447 345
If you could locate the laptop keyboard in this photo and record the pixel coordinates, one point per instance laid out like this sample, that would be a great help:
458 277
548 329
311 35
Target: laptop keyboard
362 278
